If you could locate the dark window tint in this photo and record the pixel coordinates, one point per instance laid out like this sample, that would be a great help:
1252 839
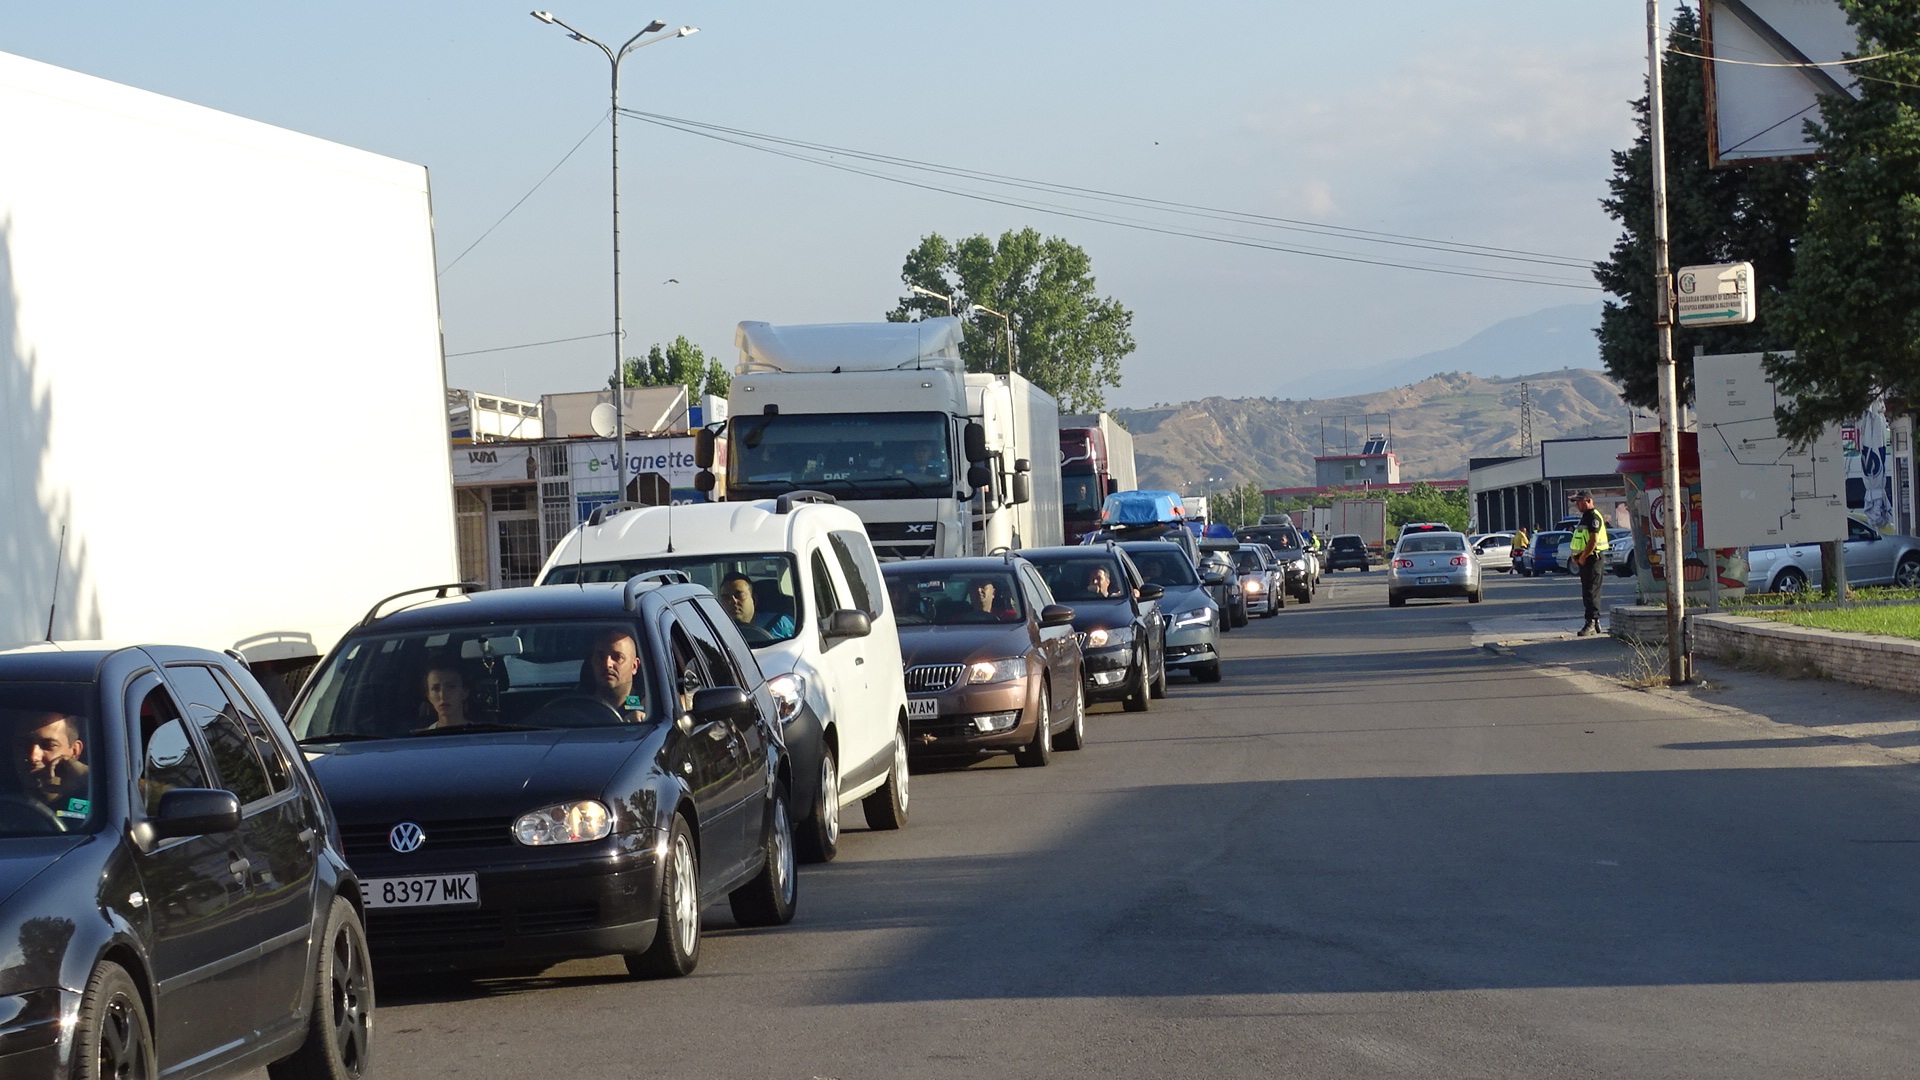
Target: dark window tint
723 628
168 758
857 565
235 759
824 594
706 645
1858 531
279 772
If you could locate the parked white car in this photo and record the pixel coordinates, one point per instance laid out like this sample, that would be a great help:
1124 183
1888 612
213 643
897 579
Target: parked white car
1494 550
1873 558
799 577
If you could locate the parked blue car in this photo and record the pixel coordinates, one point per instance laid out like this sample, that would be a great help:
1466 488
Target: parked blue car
1541 556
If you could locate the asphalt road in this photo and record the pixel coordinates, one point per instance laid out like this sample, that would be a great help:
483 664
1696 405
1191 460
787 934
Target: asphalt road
1374 850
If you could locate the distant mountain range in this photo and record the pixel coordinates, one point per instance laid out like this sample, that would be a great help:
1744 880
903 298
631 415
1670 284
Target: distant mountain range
1555 337
1437 423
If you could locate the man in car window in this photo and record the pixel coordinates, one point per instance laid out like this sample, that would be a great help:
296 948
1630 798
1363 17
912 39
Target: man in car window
607 675
983 596
1100 582
736 596
47 755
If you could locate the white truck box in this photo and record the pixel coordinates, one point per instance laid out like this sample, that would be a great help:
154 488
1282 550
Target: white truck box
221 373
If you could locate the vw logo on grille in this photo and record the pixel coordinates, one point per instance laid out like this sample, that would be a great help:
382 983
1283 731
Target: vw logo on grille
407 837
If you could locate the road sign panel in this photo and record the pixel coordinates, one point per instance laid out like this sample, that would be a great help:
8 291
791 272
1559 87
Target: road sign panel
1716 295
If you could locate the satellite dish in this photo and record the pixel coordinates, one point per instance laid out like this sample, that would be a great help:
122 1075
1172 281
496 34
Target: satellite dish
603 419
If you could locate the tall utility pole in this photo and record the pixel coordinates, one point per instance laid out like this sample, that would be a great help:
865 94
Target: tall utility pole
1673 560
1526 421
619 333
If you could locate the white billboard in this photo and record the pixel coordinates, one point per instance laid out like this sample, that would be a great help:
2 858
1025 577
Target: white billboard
1771 62
1755 486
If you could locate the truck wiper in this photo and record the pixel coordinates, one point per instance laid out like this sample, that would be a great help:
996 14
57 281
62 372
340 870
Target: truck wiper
914 484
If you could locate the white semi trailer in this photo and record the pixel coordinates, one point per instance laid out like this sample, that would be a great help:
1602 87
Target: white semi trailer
885 417
220 373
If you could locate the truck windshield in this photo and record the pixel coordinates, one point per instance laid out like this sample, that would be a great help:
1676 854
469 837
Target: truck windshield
859 456
1081 495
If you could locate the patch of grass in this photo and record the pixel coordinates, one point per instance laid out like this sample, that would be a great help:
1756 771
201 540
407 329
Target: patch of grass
1869 595
1894 620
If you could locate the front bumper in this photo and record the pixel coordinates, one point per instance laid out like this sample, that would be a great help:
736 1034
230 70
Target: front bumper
604 901
36 1032
1105 671
1190 646
956 730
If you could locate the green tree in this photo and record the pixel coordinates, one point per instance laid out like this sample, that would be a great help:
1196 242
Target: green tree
1068 340
681 363
1424 502
1855 311
1749 213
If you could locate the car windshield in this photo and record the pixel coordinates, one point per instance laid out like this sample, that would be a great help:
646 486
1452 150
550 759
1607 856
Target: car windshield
1247 561
441 681
1164 568
47 787
756 590
1083 577
1431 542
852 455
1277 539
943 596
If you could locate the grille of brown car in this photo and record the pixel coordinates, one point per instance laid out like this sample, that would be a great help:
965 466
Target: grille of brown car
932 678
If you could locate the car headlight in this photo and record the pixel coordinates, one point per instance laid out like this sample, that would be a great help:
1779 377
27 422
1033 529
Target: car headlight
789 693
566 823
1101 637
993 671
1253 585
1196 617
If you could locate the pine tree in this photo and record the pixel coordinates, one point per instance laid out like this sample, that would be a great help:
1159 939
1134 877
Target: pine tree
1855 311
1745 213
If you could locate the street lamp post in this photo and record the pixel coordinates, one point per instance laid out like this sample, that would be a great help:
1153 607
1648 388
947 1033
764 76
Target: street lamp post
935 295
985 310
619 335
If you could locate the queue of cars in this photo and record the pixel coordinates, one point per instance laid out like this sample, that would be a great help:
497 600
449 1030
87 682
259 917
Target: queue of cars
675 713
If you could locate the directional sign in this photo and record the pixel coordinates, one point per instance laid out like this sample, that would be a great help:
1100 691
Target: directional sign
1718 295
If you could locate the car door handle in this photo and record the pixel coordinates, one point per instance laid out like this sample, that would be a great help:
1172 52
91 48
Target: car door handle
306 835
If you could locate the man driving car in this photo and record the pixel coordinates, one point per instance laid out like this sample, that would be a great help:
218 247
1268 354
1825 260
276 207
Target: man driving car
736 596
47 753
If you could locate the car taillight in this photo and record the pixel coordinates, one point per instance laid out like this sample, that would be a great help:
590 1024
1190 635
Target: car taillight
1403 564
1459 560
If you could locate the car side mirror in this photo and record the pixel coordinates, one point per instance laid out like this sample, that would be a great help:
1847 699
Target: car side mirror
1056 615
714 703
703 449
1113 486
1213 577
703 482
1022 488
979 476
1151 591
195 812
846 623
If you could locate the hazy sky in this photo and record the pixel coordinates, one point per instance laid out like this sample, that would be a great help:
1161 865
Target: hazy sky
1486 122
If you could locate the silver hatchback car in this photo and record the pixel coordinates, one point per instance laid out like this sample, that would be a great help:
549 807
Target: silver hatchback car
1432 564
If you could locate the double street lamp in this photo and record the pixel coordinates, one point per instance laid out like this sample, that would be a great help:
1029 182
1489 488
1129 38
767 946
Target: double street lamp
619 339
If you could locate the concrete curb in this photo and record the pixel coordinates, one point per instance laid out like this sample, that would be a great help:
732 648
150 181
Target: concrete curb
1884 663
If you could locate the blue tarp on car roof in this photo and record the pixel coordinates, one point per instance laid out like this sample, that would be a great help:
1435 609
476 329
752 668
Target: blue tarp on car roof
1142 508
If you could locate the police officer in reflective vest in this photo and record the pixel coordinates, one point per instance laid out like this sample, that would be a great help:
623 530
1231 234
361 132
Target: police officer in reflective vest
1589 542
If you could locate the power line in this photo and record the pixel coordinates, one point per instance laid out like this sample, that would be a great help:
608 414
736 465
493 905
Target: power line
529 194
1101 195
531 344
1450 270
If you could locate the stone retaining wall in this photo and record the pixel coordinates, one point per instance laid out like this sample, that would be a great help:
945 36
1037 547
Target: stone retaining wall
1889 663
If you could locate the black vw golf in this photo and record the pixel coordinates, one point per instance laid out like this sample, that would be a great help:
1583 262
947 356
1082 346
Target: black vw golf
529 775
1116 612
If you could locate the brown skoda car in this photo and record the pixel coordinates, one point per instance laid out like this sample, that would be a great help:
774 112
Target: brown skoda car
992 662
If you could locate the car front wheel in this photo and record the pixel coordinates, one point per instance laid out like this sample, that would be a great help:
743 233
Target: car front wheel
819 836
769 899
113 1037
676 942
886 809
1039 752
340 1027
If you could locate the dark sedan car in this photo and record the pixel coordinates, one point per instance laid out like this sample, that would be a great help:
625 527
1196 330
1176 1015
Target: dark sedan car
529 775
1288 547
992 661
1193 619
1116 612
172 895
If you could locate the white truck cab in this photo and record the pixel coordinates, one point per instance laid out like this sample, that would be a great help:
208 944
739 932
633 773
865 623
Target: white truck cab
800 577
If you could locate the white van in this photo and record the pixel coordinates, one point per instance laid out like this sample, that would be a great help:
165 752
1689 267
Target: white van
799 577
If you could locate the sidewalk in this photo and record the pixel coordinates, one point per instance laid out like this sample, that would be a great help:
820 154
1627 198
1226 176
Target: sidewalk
1777 712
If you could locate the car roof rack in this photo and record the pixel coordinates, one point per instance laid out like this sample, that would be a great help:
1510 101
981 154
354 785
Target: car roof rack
650 580
606 510
785 503
439 592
